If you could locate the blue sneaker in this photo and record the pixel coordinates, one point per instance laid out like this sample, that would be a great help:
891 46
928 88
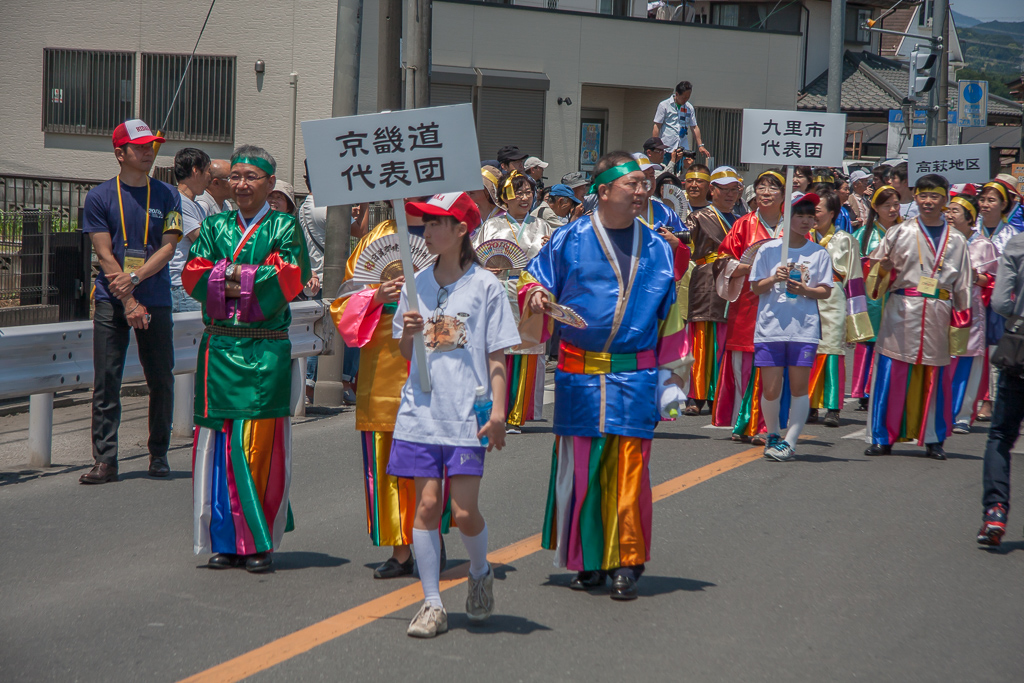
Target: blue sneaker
771 442
783 452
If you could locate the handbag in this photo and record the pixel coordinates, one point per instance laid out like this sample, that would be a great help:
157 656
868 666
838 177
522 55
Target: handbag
1009 353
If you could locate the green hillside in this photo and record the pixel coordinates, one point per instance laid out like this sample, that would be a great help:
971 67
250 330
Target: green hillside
994 52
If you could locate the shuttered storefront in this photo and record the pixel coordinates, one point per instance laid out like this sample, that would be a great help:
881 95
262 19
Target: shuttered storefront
720 131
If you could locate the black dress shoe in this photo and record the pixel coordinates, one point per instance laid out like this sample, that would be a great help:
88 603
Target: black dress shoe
831 419
624 588
878 449
862 405
224 561
392 568
585 581
812 416
158 466
935 451
260 562
100 473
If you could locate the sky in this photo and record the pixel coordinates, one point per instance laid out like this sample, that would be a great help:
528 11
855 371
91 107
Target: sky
990 10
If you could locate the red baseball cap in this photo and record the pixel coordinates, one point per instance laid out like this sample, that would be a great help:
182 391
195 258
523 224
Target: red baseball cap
808 197
458 205
135 132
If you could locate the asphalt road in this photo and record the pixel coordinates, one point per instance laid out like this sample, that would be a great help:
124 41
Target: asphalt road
835 567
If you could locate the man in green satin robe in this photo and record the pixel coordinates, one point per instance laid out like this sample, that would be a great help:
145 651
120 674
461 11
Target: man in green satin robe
245 267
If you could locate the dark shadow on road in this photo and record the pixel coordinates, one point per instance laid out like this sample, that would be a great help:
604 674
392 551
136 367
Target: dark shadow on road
647 585
145 475
1004 548
686 436
498 623
812 457
287 561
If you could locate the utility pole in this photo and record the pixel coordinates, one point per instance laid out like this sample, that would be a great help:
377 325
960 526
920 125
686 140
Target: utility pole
389 56
834 102
940 116
416 51
348 30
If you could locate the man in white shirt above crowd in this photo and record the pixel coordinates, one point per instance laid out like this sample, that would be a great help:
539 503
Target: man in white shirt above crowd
673 121
218 192
192 172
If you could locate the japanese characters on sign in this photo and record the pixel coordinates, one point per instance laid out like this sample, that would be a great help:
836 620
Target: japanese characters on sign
972 103
417 152
957 163
790 138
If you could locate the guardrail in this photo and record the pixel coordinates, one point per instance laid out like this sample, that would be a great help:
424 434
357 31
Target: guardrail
39 360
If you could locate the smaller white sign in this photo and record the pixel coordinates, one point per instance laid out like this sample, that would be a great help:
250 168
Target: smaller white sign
972 104
793 138
956 163
373 157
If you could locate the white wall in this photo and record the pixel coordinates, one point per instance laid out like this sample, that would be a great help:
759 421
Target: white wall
290 35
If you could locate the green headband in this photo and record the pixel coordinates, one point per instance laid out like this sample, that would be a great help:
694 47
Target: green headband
259 163
612 174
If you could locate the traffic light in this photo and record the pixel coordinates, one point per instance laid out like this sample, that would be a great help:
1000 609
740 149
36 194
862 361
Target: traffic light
921 62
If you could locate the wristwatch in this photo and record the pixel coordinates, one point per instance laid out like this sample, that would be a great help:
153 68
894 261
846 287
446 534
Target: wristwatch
135 279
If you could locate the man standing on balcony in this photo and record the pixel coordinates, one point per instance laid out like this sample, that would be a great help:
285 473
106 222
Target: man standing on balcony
134 223
673 120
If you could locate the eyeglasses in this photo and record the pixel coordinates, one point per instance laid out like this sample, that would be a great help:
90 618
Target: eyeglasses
634 185
249 178
524 193
442 302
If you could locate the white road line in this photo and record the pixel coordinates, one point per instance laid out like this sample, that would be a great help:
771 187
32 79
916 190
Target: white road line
859 434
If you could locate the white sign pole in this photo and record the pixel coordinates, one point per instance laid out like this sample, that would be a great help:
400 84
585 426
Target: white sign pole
410 291
787 215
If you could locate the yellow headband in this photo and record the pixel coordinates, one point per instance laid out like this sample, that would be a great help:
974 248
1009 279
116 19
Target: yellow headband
998 186
883 188
971 213
778 176
935 190
721 175
823 179
697 175
508 192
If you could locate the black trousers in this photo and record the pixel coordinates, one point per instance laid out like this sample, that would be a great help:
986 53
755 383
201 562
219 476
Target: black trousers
110 334
1007 414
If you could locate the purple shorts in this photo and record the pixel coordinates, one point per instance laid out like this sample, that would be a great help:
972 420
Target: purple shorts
784 354
410 459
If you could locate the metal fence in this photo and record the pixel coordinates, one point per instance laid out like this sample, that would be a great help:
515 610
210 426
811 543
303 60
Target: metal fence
62 195
45 266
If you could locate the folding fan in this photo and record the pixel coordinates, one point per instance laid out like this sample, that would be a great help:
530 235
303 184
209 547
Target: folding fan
751 252
675 197
501 254
565 315
381 260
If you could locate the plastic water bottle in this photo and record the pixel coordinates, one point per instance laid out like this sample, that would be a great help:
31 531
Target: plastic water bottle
794 274
482 408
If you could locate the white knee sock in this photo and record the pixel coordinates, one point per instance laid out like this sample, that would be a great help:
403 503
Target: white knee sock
799 407
476 546
427 545
770 411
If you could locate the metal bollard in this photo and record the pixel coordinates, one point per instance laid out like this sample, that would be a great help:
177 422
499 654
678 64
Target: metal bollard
184 390
40 430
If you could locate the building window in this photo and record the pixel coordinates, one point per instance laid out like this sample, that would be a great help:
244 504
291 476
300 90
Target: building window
720 130
87 91
616 8
725 15
205 108
855 20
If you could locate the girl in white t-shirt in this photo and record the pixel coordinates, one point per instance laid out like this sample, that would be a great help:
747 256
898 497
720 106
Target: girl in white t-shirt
469 325
788 327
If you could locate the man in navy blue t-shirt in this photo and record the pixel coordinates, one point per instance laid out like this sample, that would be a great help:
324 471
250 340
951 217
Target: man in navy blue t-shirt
134 223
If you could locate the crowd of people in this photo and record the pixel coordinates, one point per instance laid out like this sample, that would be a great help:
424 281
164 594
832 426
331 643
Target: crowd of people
652 289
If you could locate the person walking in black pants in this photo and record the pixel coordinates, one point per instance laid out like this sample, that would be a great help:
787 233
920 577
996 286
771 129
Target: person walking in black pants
1008 412
134 223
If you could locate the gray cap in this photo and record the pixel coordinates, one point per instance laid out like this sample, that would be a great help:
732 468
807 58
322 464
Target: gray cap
575 179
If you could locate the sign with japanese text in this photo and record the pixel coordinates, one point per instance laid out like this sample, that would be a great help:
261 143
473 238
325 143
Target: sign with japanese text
900 139
792 138
956 163
1017 170
373 157
972 103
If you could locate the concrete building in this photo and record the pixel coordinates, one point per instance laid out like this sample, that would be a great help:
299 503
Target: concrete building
75 68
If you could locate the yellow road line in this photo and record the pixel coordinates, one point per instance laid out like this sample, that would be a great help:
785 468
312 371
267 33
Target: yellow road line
304 640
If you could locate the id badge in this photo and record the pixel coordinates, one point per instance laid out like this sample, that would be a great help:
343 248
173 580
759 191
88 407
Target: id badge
928 286
133 260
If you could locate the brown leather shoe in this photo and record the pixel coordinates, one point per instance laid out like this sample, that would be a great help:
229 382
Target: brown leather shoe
100 473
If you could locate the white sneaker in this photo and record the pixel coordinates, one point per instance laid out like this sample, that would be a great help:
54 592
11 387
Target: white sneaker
962 427
480 600
510 429
782 452
428 622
